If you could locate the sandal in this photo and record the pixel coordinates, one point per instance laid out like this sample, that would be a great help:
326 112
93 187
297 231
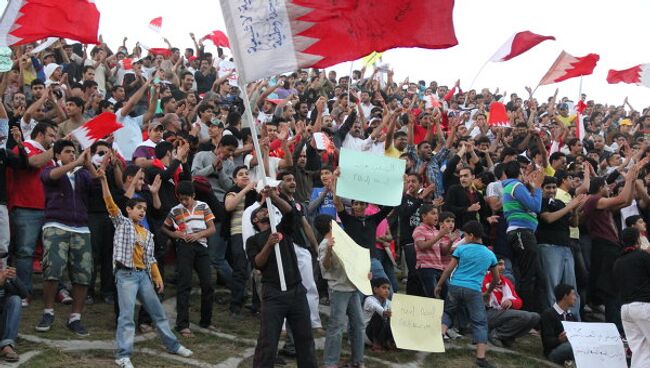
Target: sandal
9 355
186 332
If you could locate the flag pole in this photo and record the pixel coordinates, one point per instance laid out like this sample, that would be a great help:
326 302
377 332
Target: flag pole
248 115
350 79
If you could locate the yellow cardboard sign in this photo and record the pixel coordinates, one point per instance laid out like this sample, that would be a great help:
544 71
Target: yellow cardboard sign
354 258
416 323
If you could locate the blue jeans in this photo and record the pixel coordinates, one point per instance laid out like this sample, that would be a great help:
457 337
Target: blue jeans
459 297
10 320
559 268
217 248
389 269
132 284
344 303
26 227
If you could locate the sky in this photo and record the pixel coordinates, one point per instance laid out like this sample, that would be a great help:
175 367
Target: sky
616 30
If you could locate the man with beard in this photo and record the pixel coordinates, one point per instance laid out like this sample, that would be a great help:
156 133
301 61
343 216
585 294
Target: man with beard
290 304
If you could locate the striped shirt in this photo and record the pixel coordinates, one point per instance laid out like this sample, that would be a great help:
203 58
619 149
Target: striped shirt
190 221
431 257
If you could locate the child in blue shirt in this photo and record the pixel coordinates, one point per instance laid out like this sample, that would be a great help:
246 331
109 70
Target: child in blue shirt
469 263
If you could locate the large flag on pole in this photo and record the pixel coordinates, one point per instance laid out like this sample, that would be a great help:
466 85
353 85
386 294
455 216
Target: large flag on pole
276 36
25 21
639 75
567 66
518 44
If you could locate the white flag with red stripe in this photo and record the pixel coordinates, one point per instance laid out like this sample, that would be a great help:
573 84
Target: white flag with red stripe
156 24
567 66
96 129
518 44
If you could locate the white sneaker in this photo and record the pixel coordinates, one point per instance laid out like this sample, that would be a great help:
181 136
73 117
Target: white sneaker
124 363
184 352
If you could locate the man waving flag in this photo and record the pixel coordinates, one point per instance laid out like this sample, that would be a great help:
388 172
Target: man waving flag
276 36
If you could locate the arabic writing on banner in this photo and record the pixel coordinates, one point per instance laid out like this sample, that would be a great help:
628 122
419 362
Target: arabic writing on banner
595 345
416 323
354 258
370 178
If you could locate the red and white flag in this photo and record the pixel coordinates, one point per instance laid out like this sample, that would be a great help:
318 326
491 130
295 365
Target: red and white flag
639 75
518 44
498 115
25 21
295 34
218 38
567 66
156 24
96 129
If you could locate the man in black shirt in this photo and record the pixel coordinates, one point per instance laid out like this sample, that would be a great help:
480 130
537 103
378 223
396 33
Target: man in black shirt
632 275
556 344
363 230
554 242
464 201
277 304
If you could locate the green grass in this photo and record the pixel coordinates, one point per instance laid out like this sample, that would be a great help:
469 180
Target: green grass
51 358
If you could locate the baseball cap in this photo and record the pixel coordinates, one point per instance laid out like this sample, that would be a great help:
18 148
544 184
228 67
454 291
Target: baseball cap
155 125
625 122
217 122
563 106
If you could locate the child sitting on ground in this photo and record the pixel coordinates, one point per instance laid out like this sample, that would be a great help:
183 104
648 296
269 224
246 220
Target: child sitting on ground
377 313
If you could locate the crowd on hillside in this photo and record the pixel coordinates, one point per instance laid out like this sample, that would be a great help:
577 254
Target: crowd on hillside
517 228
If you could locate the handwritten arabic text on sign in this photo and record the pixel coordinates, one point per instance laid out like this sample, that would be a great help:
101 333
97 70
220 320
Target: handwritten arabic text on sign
370 178
596 345
416 323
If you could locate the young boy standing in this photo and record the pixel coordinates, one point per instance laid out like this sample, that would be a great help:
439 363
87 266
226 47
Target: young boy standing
135 269
469 263
191 223
344 300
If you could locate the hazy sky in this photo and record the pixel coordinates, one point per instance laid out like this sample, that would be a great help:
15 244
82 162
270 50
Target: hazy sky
616 30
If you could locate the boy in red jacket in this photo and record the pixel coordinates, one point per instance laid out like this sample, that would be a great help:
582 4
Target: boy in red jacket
505 319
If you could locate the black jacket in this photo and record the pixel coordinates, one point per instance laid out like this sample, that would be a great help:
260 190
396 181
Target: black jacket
15 161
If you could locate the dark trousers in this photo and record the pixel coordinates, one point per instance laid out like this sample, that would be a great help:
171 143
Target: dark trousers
101 238
193 256
240 273
379 332
530 285
413 285
601 283
276 306
429 279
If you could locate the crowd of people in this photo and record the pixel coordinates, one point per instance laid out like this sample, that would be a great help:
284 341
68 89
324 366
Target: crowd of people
516 227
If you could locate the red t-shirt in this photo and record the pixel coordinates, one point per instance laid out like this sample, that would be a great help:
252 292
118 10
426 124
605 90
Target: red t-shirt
25 186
